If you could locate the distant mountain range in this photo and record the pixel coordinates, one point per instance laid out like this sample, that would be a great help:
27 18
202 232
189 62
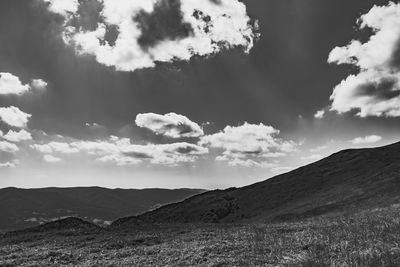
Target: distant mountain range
348 180
21 208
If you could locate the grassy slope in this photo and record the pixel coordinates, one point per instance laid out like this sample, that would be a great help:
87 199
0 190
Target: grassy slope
369 238
358 178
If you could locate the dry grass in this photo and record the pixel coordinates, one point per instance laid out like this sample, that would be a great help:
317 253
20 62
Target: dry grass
370 238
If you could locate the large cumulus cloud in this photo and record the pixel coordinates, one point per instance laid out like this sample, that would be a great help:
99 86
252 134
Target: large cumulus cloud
249 145
131 35
12 85
14 117
171 125
375 89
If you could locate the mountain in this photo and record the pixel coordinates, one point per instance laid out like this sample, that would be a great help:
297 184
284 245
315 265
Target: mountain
21 208
350 179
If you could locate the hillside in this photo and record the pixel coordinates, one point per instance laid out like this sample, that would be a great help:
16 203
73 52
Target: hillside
69 225
22 208
369 238
348 179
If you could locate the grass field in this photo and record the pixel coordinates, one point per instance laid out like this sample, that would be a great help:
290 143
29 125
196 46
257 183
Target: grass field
369 238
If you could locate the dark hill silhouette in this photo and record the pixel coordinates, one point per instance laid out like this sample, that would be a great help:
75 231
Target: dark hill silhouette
350 179
21 208
70 224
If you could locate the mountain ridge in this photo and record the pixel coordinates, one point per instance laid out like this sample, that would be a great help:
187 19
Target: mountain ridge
21 208
351 178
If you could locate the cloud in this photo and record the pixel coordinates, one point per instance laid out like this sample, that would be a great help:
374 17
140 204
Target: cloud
171 154
8 147
8 164
171 125
120 160
92 125
122 152
63 7
366 140
131 35
55 147
319 114
247 163
11 85
249 145
51 159
16 137
39 84
375 90
14 117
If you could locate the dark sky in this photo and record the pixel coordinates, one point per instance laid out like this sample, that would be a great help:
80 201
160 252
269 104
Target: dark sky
283 81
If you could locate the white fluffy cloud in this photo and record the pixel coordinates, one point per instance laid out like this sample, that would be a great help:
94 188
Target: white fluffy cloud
11 85
375 90
366 140
13 116
249 145
171 125
122 152
8 147
39 84
319 114
143 36
63 7
16 137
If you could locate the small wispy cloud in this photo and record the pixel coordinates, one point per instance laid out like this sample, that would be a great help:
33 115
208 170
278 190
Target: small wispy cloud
51 159
319 114
366 140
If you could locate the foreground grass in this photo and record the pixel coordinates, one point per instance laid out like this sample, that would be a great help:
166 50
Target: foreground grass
370 238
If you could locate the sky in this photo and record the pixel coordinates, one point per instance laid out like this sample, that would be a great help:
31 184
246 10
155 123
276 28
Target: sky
191 94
